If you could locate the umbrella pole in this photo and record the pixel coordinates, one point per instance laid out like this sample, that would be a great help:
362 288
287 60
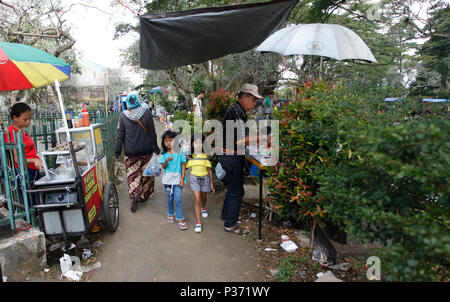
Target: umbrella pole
61 106
69 139
289 81
320 70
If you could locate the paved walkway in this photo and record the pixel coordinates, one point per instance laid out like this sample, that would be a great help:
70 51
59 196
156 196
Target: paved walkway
148 248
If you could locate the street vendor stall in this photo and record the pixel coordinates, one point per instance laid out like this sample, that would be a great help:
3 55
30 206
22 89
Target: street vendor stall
261 159
73 195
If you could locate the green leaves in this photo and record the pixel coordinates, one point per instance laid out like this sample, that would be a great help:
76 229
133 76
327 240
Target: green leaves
388 181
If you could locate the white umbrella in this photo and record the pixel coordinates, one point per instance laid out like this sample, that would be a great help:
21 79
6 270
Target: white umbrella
327 40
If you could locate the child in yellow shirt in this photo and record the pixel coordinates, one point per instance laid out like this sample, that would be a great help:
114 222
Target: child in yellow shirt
201 178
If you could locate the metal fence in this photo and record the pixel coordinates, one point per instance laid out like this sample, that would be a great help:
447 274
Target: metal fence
43 126
14 181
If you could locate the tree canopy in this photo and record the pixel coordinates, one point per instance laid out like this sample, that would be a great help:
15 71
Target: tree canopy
391 29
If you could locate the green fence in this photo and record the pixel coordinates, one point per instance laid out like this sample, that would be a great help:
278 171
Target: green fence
14 181
42 128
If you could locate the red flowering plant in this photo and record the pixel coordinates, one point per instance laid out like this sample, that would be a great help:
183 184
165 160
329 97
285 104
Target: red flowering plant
308 142
218 103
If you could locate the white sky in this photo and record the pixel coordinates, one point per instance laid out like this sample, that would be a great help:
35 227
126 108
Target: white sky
93 31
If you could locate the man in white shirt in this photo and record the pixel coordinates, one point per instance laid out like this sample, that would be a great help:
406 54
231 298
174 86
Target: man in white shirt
198 110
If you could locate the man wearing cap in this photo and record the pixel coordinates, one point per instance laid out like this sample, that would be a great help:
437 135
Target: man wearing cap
232 161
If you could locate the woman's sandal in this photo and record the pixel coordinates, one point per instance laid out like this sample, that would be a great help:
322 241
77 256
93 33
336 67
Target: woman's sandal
236 230
182 225
170 219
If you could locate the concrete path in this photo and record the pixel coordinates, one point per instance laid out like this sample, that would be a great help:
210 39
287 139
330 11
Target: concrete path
148 248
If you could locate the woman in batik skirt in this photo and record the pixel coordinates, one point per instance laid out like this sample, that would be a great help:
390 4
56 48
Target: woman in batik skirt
136 134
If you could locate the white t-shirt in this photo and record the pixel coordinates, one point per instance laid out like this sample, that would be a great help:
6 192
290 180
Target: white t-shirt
198 106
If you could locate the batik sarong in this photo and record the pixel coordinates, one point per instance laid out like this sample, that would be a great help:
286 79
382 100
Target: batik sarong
137 184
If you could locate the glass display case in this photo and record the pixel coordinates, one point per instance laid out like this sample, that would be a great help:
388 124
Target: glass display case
91 136
64 171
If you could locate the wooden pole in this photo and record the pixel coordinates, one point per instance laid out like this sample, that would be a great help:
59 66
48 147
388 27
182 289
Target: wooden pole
311 244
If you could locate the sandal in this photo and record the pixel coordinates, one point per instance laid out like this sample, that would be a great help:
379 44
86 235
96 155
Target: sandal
236 230
134 204
170 219
204 212
182 225
198 227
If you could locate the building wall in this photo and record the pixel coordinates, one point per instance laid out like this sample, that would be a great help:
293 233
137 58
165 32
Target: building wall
87 86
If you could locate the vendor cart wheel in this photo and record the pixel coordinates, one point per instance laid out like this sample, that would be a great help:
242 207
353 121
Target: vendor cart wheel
111 207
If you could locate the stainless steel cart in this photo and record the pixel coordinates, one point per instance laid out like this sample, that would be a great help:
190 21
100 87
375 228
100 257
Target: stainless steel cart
77 191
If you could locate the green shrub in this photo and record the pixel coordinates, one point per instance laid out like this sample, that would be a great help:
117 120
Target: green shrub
391 185
308 138
287 269
365 167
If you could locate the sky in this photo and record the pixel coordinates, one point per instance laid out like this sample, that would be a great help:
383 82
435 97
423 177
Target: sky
93 30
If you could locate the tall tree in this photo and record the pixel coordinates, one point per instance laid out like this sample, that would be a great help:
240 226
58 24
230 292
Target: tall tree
38 23
437 48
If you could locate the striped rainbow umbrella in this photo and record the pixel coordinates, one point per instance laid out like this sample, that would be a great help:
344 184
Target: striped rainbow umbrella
25 67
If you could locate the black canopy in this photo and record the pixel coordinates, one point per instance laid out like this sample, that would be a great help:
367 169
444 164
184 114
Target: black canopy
198 35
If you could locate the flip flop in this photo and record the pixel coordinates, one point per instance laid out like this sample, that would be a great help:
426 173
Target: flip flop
182 225
170 219
134 204
236 230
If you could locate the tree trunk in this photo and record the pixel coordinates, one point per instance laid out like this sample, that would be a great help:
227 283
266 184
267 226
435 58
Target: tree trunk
180 88
311 244
444 79
52 97
27 96
14 95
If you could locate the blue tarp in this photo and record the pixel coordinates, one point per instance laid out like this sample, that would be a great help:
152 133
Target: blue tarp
393 99
436 100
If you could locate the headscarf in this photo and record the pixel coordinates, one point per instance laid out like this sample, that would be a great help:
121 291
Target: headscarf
135 108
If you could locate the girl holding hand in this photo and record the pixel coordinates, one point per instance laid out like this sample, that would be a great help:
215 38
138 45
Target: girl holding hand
201 178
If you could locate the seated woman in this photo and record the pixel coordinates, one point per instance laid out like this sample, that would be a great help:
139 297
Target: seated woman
21 119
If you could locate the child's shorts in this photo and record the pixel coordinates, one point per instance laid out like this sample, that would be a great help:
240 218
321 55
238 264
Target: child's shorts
200 184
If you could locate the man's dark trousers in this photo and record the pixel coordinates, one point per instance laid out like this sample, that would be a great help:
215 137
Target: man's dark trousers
233 166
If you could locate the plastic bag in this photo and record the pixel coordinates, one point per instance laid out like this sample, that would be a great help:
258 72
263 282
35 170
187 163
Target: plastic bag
153 167
220 172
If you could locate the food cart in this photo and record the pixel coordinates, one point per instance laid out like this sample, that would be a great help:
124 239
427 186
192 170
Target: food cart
75 190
